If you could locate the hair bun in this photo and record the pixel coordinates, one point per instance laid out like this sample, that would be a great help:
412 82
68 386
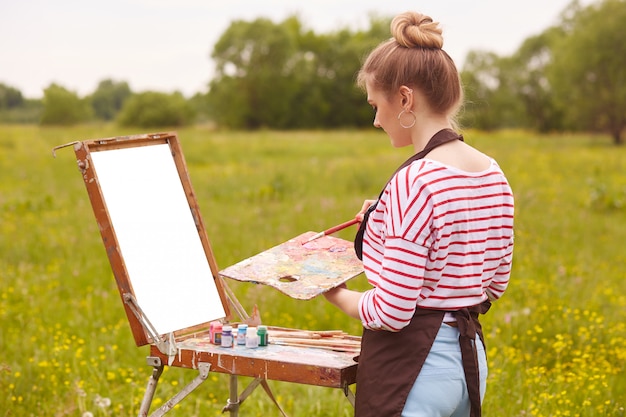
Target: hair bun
412 29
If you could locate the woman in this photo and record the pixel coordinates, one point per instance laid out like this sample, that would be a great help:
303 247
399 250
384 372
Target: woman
436 246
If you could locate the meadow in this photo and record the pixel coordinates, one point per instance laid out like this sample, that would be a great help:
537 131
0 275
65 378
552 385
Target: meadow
556 341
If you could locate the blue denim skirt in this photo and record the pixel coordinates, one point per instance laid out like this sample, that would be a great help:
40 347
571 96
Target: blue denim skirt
440 389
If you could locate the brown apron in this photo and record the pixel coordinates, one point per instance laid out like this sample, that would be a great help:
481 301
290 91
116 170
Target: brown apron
391 361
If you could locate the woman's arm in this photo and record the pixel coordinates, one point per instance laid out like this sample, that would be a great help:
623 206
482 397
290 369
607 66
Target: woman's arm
347 300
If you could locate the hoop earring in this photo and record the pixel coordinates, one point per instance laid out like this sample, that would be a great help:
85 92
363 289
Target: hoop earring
412 114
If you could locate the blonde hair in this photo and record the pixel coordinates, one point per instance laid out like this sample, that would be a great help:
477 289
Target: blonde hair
413 57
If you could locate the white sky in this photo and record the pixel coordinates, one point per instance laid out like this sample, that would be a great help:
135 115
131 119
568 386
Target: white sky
165 45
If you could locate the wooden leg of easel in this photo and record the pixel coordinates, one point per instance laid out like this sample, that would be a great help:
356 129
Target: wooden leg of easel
152 383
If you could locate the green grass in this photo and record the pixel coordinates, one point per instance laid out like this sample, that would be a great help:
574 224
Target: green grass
556 341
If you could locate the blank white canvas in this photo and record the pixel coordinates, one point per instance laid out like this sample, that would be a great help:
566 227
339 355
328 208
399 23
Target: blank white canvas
157 236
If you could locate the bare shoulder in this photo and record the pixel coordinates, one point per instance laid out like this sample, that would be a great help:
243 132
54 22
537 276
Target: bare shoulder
460 155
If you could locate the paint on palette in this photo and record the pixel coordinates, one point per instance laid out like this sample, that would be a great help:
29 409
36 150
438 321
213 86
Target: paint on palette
300 270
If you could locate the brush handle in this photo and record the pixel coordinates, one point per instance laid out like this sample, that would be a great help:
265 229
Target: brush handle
340 227
333 230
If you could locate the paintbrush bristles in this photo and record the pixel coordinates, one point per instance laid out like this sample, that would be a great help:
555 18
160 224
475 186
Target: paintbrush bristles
316 236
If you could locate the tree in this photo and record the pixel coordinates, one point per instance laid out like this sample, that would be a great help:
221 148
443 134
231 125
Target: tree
63 107
490 100
154 109
526 77
335 67
589 72
512 91
480 81
283 76
14 108
253 87
10 97
109 98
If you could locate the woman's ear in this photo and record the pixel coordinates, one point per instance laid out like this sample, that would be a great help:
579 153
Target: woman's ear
406 95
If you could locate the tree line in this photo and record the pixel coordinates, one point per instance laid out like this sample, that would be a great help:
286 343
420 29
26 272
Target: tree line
282 76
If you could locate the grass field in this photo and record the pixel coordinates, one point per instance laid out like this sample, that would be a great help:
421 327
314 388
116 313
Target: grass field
556 341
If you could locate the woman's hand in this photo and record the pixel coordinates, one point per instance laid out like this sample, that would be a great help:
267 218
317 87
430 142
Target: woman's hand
366 204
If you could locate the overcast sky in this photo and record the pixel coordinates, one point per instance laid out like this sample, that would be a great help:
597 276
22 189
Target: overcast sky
165 45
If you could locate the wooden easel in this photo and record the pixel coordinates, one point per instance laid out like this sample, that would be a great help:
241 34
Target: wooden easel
108 165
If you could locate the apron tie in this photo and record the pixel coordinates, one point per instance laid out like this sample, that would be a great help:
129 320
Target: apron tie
469 356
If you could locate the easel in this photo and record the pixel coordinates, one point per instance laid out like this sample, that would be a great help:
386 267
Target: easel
144 243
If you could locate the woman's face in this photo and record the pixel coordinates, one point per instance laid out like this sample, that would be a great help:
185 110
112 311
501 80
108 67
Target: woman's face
386 110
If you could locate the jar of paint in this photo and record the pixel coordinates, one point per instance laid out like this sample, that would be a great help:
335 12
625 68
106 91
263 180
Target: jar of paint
227 336
241 334
262 333
216 333
212 329
252 339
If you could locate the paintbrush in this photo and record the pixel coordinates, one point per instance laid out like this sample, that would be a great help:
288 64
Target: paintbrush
332 230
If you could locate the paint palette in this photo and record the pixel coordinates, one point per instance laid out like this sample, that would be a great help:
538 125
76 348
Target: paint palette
300 270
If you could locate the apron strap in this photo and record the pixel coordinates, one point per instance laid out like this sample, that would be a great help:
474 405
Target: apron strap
441 137
469 326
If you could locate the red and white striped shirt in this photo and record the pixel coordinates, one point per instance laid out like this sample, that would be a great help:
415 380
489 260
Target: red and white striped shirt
439 238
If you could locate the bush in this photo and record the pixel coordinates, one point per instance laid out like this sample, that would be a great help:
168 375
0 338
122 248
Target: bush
63 107
154 109
109 98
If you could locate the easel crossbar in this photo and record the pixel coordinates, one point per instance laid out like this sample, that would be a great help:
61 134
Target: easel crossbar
232 405
203 369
